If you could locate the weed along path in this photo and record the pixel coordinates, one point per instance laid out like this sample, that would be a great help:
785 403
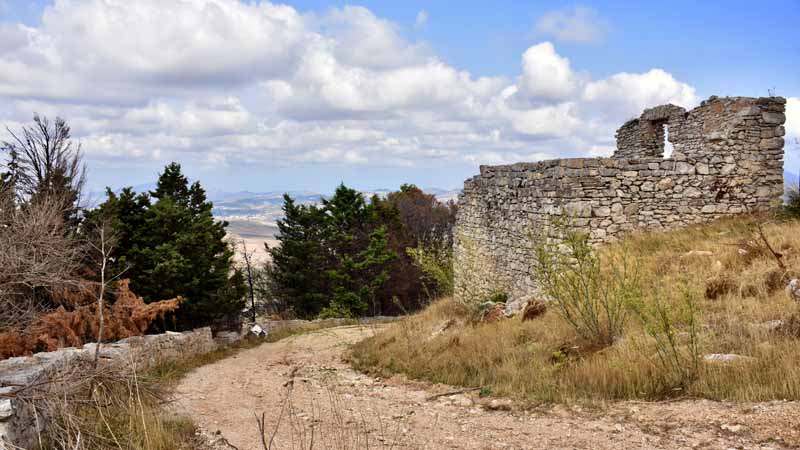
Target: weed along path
302 383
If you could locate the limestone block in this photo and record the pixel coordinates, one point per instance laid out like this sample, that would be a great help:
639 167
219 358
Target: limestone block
684 168
664 184
774 118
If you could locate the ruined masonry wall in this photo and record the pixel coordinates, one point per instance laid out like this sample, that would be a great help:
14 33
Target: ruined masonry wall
18 425
727 160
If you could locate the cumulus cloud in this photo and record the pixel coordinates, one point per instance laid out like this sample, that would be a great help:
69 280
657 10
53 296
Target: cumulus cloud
150 44
627 94
545 74
224 83
357 37
581 24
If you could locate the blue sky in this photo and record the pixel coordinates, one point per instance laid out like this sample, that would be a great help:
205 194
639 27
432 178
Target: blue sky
302 95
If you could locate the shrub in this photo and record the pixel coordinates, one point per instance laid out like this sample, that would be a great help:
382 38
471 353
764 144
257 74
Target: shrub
591 294
127 316
436 262
106 408
791 208
674 328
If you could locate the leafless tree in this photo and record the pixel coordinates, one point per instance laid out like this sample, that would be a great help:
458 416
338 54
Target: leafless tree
47 164
248 264
36 255
101 244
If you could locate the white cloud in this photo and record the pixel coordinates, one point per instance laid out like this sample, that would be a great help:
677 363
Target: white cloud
355 36
422 18
545 74
221 83
629 93
82 45
580 24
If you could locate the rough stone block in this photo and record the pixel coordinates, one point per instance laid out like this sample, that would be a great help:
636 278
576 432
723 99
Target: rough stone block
773 118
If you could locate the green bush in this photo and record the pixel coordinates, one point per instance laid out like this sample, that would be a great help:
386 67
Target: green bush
436 262
591 294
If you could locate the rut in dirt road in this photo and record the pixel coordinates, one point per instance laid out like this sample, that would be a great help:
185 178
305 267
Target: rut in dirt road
228 395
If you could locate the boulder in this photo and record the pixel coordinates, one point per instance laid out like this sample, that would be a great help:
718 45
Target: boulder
793 290
516 305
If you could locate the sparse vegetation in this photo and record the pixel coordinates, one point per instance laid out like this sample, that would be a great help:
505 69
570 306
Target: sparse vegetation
435 260
656 356
333 426
592 292
89 408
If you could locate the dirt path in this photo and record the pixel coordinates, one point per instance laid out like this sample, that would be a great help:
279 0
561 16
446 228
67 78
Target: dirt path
398 414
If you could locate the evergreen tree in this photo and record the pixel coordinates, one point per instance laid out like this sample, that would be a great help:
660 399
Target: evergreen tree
299 264
174 247
357 278
333 259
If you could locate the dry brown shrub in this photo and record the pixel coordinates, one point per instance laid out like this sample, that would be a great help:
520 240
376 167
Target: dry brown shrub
78 322
718 286
493 313
533 310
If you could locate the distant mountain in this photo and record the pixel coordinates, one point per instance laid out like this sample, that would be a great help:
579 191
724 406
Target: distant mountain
265 207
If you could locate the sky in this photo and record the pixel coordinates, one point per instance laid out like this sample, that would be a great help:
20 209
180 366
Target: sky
304 95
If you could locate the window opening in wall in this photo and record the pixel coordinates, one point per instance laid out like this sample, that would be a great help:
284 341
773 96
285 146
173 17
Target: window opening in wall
667 144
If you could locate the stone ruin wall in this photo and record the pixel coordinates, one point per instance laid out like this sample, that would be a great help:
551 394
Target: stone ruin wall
727 159
19 427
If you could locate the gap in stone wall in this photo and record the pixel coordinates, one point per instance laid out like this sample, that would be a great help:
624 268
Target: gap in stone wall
668 148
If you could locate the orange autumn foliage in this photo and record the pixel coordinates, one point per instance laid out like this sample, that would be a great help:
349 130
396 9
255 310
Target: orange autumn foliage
128 315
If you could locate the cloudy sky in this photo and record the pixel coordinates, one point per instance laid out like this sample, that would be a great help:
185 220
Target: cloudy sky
300 96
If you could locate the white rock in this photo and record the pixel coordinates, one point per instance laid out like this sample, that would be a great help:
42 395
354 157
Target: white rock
499 405
6 410
725 358
516 306
793 289
697 253
731 428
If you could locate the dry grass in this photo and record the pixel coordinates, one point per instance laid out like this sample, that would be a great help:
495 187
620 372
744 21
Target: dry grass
543 360
89 408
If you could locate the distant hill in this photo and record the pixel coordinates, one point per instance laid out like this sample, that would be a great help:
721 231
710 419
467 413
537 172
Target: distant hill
265 207
253 216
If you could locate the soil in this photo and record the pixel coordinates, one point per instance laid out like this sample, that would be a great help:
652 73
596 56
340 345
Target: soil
303 383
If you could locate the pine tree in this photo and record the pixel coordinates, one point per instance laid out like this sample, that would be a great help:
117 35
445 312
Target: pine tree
332 259
299 264
174 247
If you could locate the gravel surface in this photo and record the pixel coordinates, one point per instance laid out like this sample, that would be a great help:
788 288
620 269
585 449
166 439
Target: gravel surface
302 382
